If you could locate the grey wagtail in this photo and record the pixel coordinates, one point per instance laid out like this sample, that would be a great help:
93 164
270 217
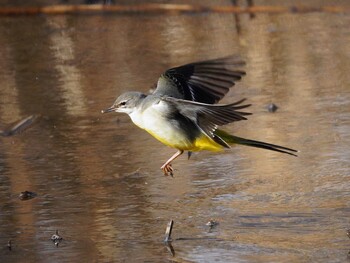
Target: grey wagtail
182 114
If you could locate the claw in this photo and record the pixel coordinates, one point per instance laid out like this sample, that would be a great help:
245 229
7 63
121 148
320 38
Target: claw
166 168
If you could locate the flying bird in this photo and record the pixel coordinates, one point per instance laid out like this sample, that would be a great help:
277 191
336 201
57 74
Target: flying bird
183 113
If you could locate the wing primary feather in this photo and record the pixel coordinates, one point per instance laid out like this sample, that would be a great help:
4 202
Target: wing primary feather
226 72
214 81
205 81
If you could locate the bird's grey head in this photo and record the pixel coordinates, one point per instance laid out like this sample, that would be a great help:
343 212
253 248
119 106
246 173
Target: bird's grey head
126 102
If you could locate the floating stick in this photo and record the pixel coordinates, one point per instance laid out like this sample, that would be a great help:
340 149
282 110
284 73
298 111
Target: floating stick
168 230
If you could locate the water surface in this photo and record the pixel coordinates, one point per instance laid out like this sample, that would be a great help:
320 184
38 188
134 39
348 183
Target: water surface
97 177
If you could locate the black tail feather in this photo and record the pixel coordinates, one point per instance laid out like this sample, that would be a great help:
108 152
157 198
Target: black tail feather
231 139
267 146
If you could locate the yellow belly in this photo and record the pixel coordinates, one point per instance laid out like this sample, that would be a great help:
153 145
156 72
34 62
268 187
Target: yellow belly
202 143
178 142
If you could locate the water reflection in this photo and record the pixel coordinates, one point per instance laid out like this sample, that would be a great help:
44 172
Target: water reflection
97 178
63 51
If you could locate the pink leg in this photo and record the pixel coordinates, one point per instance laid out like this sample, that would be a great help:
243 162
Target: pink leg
166 168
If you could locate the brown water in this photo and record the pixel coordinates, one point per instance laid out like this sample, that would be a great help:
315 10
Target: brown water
97 177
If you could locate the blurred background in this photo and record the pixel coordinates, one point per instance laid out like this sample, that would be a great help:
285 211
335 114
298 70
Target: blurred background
96 178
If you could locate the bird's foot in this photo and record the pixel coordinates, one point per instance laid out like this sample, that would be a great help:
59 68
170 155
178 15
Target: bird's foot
167 169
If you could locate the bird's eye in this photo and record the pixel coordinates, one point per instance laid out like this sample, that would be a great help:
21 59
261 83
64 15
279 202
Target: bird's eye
122 103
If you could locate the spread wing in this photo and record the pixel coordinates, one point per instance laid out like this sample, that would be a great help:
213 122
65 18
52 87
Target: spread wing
208 117
205 82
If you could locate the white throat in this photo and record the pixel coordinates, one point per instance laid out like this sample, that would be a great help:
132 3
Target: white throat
136 117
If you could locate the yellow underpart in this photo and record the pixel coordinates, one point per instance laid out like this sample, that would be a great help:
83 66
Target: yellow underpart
205 143
202 143
174 143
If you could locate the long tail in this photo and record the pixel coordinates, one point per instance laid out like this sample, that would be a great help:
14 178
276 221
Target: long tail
231 139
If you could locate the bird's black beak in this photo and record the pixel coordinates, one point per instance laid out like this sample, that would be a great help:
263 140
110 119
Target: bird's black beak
110 109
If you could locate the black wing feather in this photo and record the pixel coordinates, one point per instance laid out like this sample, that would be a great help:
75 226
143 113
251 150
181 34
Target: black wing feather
205 82
208 117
